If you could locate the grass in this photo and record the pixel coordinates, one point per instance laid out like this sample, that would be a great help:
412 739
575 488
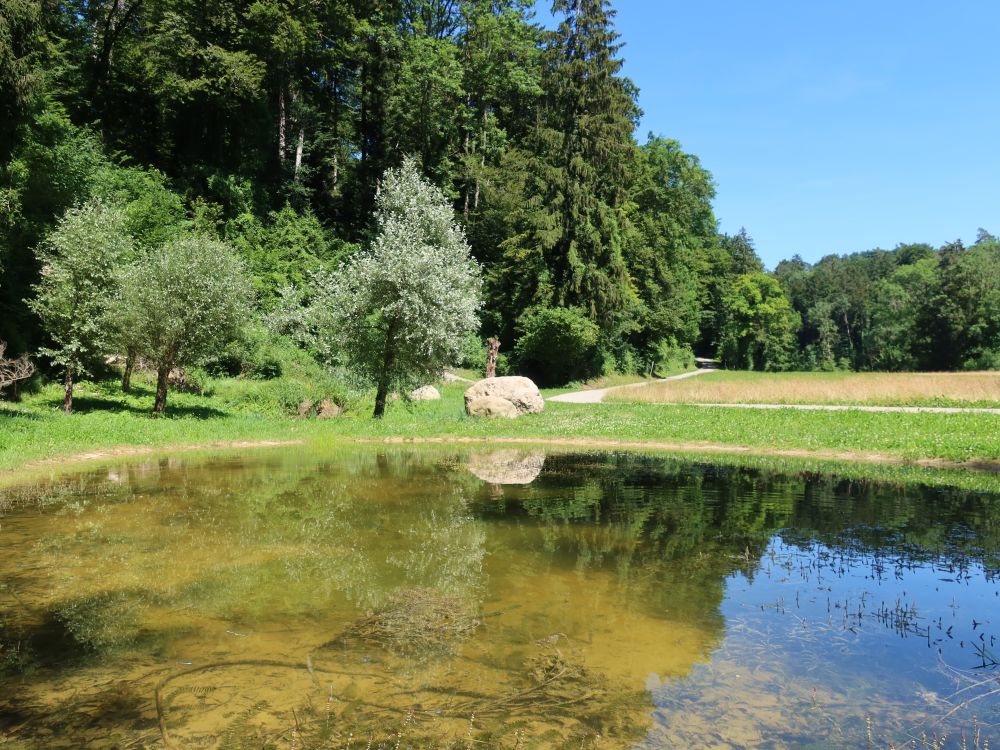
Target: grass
969 389
36 430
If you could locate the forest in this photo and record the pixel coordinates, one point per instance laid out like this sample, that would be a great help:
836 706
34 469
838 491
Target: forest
264 128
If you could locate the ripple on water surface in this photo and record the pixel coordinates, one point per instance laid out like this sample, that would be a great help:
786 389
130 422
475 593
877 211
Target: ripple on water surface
410 598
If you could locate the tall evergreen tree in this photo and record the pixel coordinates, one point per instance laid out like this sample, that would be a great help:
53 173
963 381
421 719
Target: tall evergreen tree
576 218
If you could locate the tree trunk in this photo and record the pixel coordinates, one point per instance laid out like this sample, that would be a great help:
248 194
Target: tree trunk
281 124
380 397
385 376
68 392
127 374
161 389
491 357
299 148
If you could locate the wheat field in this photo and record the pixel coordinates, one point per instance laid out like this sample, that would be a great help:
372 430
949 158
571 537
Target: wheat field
882 389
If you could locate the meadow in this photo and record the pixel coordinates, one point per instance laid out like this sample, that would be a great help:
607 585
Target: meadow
35 435
942 389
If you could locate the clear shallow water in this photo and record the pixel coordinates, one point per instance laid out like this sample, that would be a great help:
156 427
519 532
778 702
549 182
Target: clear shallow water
289 599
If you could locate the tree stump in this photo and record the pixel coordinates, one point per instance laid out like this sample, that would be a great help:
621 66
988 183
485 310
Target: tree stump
491 356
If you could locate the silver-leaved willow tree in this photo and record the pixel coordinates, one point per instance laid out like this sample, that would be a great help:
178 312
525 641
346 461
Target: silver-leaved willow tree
400 311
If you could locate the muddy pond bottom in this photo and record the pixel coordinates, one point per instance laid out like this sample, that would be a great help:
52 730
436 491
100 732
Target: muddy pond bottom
511 599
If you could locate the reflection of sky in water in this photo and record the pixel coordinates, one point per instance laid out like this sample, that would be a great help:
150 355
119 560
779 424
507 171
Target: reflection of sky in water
823 640
757 609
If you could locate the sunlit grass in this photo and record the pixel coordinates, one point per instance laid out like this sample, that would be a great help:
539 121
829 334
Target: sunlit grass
980 389
37 430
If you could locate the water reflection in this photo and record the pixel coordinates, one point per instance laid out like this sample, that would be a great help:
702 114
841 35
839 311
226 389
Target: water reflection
306 600
507 466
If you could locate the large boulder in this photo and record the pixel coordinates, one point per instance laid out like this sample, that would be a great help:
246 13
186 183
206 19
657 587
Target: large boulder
520 393
491 406
425 393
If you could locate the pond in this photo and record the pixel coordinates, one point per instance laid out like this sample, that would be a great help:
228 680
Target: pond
403 597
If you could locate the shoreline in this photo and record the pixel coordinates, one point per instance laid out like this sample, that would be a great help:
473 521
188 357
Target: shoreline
67 462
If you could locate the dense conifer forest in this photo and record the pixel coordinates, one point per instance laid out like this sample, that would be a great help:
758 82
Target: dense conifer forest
267 125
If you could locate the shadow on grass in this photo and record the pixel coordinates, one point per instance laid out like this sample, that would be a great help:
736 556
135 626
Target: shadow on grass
97 404
6 412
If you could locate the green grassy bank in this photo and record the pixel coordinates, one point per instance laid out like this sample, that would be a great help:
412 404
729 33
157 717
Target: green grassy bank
35 430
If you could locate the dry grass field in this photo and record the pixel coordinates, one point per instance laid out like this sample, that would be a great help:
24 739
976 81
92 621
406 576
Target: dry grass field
980 389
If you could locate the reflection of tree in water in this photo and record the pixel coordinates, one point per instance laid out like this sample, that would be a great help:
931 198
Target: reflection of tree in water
291 547
918 523
670 532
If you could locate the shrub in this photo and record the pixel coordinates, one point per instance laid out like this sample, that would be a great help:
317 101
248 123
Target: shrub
558 344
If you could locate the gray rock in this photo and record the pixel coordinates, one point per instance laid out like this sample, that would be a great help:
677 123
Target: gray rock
305 408
520 392
490 406
425 393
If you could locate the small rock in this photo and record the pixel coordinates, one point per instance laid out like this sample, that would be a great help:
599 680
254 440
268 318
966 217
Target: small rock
425 393
490 406
328 409
305 408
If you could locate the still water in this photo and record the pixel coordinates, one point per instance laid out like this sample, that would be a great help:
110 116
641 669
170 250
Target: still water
422 598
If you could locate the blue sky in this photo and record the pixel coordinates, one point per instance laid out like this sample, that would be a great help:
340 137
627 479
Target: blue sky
830 127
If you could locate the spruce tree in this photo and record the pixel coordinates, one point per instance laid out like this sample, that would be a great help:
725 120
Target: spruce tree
593 110
575 216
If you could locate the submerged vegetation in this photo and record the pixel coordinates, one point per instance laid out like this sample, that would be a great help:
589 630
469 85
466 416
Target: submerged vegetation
391 597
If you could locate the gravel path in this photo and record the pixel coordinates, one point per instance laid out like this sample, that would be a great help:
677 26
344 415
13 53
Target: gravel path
857 407
597 395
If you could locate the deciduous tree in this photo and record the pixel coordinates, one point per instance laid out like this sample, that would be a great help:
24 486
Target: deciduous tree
183 302
402 309
79 261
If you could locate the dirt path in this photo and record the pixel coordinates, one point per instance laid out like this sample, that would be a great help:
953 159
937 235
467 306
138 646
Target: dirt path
597 395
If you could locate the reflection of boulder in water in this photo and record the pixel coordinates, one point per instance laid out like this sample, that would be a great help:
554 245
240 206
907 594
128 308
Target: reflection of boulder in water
507 466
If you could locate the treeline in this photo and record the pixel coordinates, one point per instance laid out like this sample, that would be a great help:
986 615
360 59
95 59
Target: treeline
912 308
267 125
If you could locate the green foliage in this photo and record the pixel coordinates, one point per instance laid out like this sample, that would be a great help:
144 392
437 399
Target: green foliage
153 212
255 354
285 251
473 354
912 308
674 228
401 310
79 263
270 124
558 345
671 357
759 325
182 302
567 243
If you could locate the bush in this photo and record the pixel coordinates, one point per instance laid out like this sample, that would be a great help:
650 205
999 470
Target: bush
473 356
670 356
257 355
557 345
